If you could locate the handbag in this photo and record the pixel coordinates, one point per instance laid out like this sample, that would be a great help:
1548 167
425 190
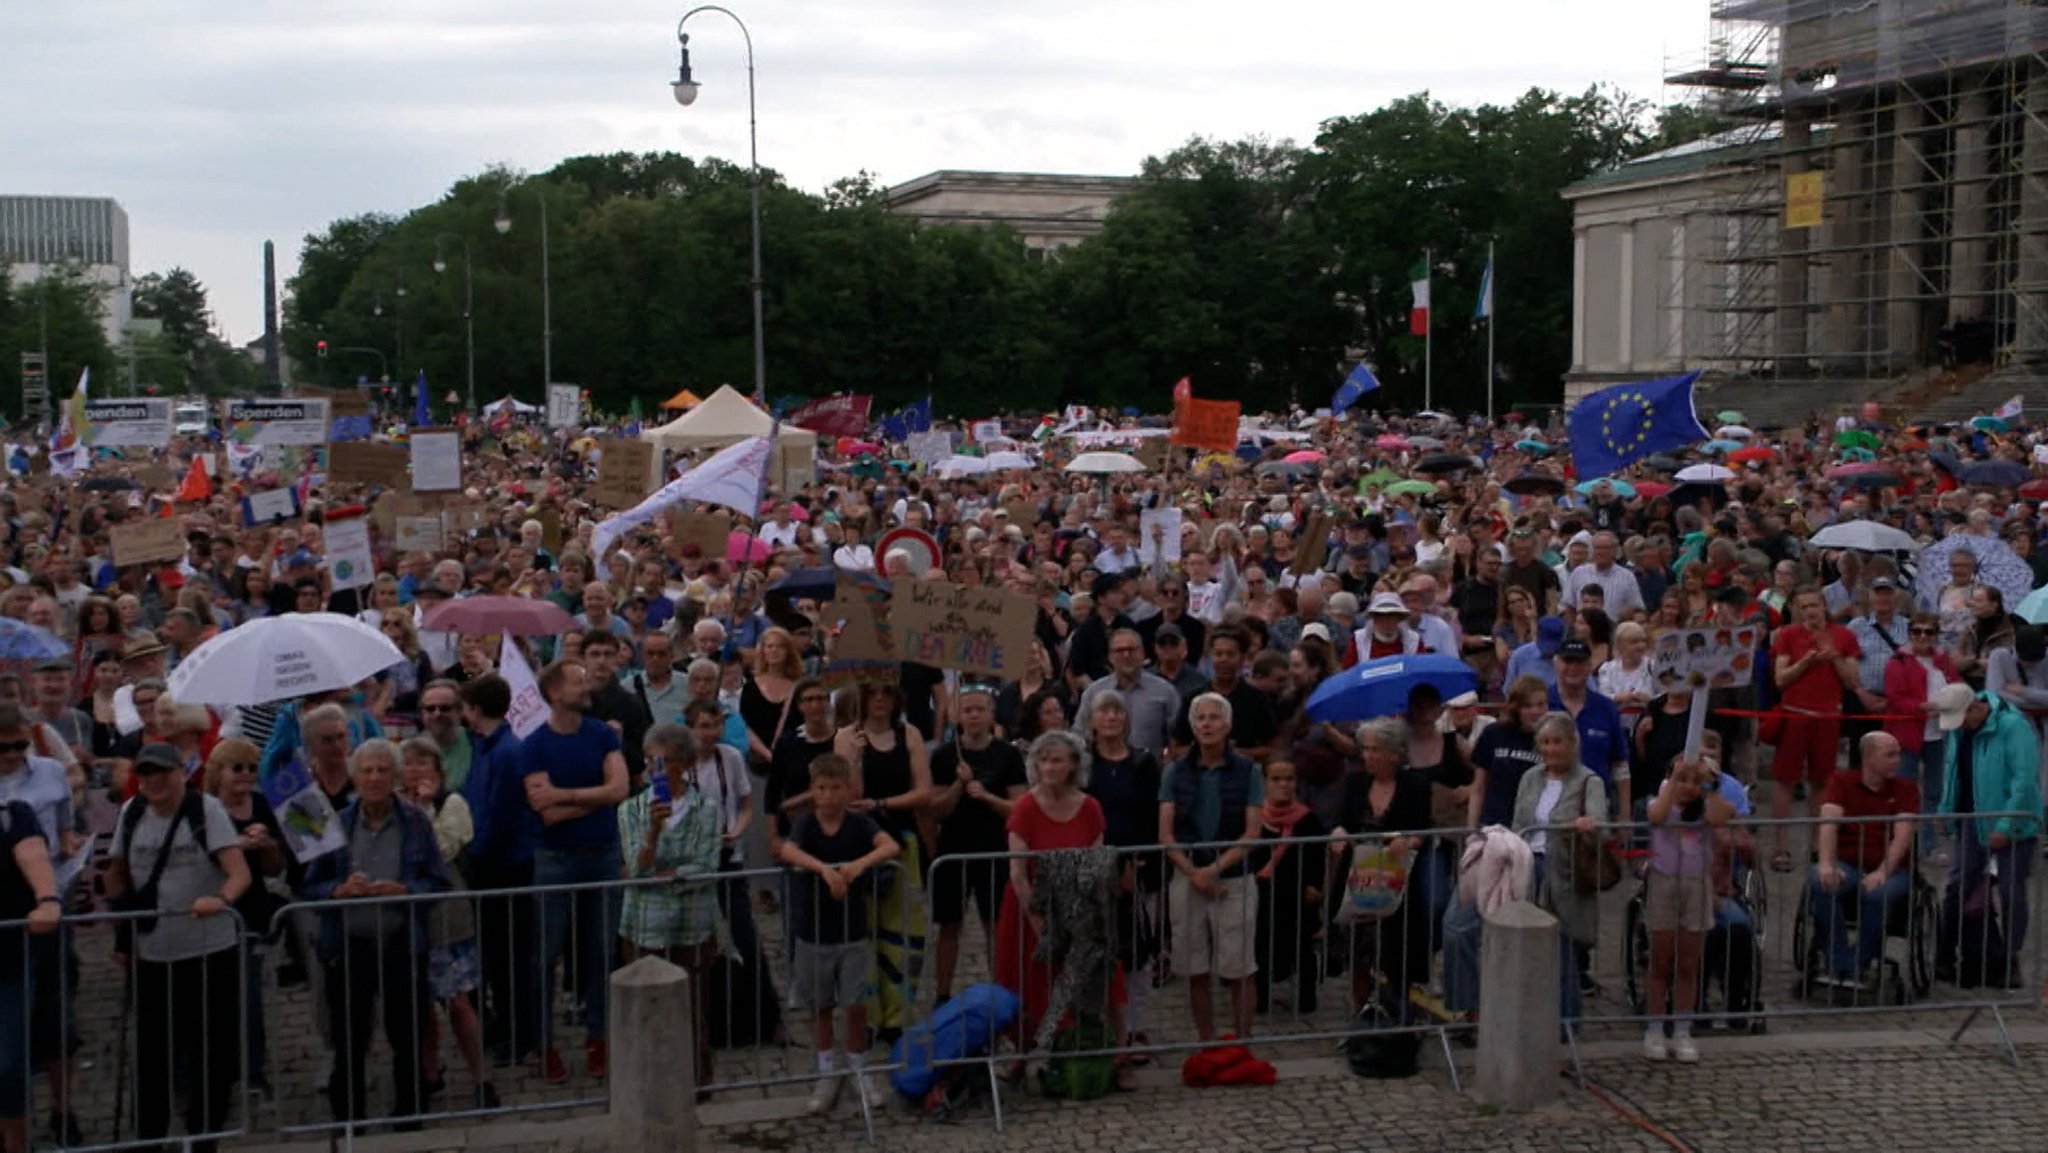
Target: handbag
1596 861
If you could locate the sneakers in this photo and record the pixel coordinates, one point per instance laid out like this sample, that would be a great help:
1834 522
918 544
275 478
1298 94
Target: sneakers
551 1068
1683 1050
824 1094
1653 1045
593 1058
873 1093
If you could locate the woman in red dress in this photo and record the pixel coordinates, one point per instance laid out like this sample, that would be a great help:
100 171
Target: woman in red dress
1055 814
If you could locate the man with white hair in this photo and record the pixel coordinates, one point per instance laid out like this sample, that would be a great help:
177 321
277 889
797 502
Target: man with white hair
1212 796
1621 594
443 649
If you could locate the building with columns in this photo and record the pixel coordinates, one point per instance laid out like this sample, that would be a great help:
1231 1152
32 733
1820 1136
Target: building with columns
1048 210
1875 213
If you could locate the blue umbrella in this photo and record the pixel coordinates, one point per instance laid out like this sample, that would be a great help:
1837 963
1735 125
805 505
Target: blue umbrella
1717 447
1535 446
1622 488
2034 609
1987 424
23 644
1380 688
1993 473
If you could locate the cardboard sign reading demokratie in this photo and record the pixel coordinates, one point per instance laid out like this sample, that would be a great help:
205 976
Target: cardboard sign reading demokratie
951 626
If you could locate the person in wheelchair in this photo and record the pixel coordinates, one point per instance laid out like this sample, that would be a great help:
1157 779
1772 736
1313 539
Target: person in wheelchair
1867 863
1678 899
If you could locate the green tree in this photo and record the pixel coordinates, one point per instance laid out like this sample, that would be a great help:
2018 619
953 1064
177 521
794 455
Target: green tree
67 307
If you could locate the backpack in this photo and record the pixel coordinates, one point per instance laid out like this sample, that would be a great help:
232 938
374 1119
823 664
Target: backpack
1375 1052
142 898
1081 1078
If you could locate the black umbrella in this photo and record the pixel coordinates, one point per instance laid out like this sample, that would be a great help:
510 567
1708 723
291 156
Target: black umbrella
1445 462
1663 462
1690 494
1535 484
1993 473
1948 464
108 484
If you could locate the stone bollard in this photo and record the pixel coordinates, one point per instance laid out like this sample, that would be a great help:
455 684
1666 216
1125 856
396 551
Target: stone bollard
1518 1019
653 1081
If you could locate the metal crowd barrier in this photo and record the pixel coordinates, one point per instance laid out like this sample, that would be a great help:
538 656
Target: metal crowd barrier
1768 959
132 1045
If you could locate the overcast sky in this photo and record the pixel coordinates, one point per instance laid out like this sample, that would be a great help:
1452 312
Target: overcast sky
219 125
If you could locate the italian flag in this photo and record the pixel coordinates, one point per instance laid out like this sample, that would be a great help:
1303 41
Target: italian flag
1418 312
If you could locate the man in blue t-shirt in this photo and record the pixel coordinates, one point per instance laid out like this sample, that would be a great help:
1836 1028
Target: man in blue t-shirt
575 777
1603 742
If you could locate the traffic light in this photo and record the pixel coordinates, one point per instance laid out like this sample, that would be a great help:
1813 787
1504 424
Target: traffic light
322 347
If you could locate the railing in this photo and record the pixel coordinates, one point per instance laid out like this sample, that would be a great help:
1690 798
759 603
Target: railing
376 966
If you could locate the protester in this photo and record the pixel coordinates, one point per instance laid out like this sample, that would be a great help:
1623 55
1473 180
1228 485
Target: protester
1212 903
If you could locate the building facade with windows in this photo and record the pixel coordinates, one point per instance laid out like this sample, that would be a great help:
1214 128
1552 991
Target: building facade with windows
42 233
1048 210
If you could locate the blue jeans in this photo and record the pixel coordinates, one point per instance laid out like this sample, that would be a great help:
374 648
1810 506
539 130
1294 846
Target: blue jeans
592 915
1439 882
1872 910
1461 932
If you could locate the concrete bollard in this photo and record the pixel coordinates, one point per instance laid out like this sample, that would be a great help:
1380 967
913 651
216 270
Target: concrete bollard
652 1057
1519 1048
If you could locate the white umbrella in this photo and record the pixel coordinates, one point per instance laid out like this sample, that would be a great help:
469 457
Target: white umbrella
280 658
1733 432
1104 462
1864 536
961 466
1010 460
1703 474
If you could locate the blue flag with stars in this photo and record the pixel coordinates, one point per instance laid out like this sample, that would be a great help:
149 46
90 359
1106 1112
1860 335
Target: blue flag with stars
1617 426
1357 384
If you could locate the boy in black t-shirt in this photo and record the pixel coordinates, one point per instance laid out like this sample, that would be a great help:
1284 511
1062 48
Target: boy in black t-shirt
834 960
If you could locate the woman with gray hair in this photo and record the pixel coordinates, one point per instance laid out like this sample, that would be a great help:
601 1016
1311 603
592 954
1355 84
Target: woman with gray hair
1562 792
1388 806
1056 814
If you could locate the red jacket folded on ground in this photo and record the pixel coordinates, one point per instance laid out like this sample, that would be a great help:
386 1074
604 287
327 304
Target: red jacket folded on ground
1230 1065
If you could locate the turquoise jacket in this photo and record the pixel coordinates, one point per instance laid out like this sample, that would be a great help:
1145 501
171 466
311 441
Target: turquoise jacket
2005 772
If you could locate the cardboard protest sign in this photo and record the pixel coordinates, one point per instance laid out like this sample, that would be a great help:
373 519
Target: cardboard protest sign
625 470
346 552
1022 513
436 458
951 626
157 478
862 652
1311 544
707 530
147 541
458 519
367 462
1165 543
269 506
418 533
1153 452
550 529
1210 424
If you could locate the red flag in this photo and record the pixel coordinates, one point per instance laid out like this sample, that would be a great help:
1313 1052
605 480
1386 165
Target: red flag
833 416
1184 390
196 488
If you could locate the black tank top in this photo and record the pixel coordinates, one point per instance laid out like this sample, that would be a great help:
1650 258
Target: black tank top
885 775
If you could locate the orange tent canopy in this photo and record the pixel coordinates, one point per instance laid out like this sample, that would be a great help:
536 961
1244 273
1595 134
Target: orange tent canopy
684 399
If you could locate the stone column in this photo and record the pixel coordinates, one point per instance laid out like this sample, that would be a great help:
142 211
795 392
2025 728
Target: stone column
1847 312
653 1054
1789 336
1968 281
2030 287
1519 1046
1905 284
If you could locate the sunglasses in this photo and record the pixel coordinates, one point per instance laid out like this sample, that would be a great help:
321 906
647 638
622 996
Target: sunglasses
1923 632
431 709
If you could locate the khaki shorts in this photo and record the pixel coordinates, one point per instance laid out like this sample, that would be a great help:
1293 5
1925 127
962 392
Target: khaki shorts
1678 904
1213 934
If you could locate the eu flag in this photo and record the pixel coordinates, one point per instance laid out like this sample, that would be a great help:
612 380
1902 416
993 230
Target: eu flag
1616 426
1357 384
420 419
898 425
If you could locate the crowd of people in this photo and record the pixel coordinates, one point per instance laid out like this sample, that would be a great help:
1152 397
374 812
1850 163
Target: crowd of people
698 736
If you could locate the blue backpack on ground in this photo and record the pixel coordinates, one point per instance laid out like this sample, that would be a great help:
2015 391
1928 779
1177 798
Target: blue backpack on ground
965 1026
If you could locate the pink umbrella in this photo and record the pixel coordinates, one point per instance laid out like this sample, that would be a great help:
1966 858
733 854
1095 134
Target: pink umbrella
745 548
1390 443
488 616
848 446
1303 456
1856 468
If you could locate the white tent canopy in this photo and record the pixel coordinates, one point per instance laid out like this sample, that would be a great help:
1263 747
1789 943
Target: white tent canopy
727 417
493 408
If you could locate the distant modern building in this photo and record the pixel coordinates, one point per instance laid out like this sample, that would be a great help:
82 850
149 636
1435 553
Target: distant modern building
38 233
1050 211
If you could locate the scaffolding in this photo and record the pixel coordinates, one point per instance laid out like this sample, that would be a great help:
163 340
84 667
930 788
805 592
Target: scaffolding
1880 203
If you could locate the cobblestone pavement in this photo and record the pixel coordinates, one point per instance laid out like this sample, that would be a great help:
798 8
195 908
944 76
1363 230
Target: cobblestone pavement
1165 1115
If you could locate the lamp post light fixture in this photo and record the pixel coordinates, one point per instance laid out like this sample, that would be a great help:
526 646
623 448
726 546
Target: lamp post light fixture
468 308
685 87
503 223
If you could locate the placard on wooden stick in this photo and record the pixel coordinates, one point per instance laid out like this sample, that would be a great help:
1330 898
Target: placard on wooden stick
147 541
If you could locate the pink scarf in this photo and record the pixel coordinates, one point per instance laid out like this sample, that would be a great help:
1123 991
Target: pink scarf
1283 820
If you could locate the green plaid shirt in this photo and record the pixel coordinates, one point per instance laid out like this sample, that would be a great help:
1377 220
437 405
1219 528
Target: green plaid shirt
685 913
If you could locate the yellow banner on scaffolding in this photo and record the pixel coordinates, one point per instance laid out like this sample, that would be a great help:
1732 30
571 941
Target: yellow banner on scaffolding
1804 194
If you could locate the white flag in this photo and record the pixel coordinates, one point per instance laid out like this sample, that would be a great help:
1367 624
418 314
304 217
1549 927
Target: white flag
2010 410
732 478
529 709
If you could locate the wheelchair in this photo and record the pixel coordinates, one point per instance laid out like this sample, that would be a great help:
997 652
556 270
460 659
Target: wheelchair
1741 1001
1912 920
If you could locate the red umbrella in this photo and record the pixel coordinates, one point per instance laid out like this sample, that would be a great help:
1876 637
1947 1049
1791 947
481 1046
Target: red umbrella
1305 456
2034 490
486 616
1651 489
1755 452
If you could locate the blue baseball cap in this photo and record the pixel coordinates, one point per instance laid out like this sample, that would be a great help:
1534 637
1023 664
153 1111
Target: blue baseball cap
1549 635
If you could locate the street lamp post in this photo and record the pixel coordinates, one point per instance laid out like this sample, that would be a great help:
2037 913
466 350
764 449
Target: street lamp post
685 88
468 308
503 223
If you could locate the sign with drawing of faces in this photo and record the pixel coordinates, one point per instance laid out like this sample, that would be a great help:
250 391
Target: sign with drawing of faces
1716 658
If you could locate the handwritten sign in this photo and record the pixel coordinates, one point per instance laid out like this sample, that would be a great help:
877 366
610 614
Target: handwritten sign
418 533
1153 452
862 652
529 709
707 530
623 473
951 626
147 541
1210 424
550 529
367 462
1311 544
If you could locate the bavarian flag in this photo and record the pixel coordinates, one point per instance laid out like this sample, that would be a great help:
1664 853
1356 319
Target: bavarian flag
1617 426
